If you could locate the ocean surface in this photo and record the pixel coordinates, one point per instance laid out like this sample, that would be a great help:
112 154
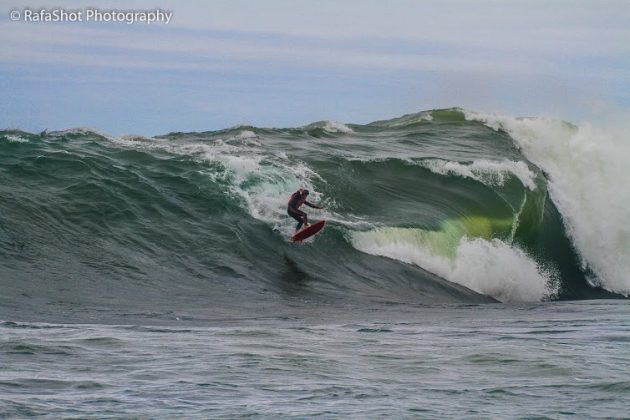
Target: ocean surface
473 265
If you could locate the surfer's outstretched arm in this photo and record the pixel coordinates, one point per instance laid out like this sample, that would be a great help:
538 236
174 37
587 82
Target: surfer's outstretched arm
315 206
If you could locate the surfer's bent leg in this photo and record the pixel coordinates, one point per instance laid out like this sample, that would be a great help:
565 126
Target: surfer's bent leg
298 215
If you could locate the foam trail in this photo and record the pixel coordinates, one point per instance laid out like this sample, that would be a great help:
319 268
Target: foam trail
588 181
491 267
494 173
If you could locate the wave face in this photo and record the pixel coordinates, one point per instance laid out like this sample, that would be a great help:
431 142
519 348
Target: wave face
439 206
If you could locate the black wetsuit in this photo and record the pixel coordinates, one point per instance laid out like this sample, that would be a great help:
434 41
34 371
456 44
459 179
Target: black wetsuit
294 211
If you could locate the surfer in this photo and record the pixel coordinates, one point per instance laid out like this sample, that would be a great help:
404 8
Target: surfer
295 201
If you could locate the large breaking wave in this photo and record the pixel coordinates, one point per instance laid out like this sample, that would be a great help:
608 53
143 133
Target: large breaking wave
438 206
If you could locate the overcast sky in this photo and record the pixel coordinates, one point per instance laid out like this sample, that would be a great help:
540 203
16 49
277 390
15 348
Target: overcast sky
288 63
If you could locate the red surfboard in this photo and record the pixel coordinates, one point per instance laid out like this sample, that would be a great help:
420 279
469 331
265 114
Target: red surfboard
308 231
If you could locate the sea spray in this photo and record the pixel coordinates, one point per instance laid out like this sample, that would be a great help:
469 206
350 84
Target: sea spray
588 180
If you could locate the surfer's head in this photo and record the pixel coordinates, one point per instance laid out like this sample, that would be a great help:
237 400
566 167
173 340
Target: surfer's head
304 193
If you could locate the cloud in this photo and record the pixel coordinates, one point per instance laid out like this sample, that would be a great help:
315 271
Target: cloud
401 55
188 49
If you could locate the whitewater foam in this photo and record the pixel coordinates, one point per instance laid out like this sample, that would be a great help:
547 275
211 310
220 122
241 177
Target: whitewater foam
337 127
588 181
492 173
491 267
246 137
263 180
15 139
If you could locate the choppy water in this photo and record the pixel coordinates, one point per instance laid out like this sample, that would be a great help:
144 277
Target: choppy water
154 277
551 360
